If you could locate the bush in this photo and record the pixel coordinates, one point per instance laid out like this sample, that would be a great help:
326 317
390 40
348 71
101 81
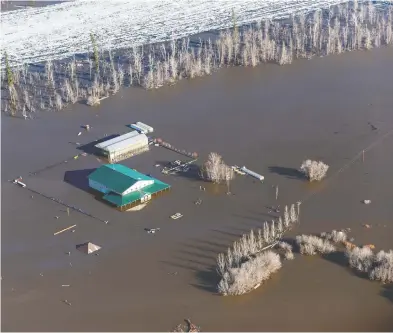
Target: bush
360 258
92 101
383 267
314 170
335 236
241 280
287 249
310 245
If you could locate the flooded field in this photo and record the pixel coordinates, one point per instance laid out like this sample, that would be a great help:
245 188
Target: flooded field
268 118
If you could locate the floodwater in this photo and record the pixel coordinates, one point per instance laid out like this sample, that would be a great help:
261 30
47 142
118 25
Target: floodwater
269 119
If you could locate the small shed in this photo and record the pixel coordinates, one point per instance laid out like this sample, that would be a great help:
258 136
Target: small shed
88 247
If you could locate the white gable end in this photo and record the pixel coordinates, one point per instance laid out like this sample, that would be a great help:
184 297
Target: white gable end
138 185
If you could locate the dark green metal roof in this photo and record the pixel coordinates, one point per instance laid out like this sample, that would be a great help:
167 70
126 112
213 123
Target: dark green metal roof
117 177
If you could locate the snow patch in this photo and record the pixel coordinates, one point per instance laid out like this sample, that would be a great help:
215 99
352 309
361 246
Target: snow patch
32 35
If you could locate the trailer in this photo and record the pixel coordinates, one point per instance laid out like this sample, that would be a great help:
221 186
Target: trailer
137 128
146 128
252 173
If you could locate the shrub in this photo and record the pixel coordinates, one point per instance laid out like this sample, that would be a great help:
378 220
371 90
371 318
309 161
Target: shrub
335 236
314 170
92 100
360 258
383 267
241 280
287 249
310 245
289 255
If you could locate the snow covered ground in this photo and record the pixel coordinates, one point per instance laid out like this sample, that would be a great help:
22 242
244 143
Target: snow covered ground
32 35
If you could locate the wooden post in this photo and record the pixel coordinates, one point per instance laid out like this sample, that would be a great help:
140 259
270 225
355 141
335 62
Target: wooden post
68 211
276 192
363 155
59 232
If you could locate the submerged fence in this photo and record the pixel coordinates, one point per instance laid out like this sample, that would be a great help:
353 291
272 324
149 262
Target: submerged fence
59 201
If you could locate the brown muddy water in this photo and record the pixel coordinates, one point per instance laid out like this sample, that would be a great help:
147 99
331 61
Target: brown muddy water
269 118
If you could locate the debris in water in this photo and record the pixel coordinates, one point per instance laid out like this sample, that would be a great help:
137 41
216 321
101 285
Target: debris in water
56 217
65 285
152 231
80 133
176 216
76 157
189 327
66 302
370 246
41 274
84 154
59 232
367 226
198 202
69 253
71 264
367 202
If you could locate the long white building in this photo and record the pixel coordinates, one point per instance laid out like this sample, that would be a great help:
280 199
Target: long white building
123 146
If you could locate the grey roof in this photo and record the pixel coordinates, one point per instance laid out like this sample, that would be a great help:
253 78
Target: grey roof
140 138
117 139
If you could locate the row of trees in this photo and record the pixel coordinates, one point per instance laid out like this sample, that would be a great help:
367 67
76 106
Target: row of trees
252 259
346 27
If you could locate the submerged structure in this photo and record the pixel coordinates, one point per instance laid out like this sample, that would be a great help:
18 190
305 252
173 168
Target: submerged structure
142 128
123 146
123 187
252 173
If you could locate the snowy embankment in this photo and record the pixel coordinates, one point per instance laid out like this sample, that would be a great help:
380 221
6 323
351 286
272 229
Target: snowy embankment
33 35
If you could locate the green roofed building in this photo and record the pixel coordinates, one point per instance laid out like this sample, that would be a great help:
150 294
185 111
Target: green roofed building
124 187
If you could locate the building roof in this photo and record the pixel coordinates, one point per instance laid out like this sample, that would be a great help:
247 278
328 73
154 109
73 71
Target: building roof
119 200
139 138
117 139
144 126
117 177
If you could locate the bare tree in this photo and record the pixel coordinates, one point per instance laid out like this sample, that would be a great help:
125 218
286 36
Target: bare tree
213 168
314 170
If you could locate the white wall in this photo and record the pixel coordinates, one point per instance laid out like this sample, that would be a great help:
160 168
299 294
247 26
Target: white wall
138 186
